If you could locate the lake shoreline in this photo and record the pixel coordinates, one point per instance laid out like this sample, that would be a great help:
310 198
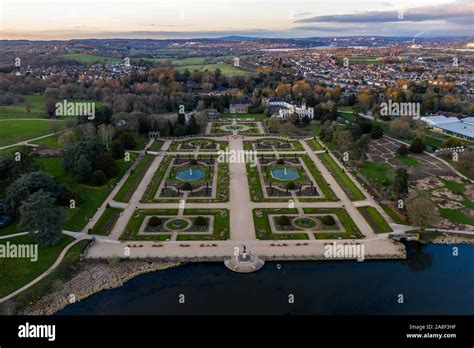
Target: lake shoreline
96 276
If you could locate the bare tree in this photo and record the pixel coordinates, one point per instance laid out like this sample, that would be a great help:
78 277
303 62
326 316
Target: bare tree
422 211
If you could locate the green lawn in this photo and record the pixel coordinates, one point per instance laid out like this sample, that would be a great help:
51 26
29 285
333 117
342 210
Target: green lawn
342 178
128 189
20 110
156 145
91 197
408 161
456 215
52 141
375 219
378 172
314 145
16 273
107 221
226 69
92 58
67 269
14 131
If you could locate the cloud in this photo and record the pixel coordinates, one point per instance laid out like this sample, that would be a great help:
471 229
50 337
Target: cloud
459 10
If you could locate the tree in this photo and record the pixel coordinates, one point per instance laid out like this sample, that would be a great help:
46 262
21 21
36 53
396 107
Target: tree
452 142
82 169
403 150
116 149
179 130
273 125
42 218
107 133
107 165
377 131
128 140
417 145
98 178
193 127
181 119
399 129
28 184
421 211
200 221
306 120
400 182
328 220
168 129
154 221
50 107
283 220
91 149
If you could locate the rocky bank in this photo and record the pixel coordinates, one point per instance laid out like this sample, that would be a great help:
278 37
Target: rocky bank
94 278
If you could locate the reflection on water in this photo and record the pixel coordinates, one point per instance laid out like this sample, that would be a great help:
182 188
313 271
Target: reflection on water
432 280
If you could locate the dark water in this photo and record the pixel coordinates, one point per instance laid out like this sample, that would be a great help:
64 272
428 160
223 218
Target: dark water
432 281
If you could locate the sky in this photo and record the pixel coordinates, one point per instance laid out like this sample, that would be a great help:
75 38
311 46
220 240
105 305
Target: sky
161 19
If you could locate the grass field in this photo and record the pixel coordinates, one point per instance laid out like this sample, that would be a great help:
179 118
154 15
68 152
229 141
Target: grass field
342 178
52 141
20 110
226 69
18 272
378 172
375 220
408 161
67 269
91 58
91 197
14 131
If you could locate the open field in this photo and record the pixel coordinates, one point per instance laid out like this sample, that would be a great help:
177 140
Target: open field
35 102
20 271
226 69
15 131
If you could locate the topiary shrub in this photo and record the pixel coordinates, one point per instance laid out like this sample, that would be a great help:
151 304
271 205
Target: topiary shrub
281 161
187 186
403 150
328 220
98 178
200 221
154 221
283 220
291 186
193 162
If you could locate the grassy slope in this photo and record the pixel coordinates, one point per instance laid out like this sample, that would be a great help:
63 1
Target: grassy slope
16 273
